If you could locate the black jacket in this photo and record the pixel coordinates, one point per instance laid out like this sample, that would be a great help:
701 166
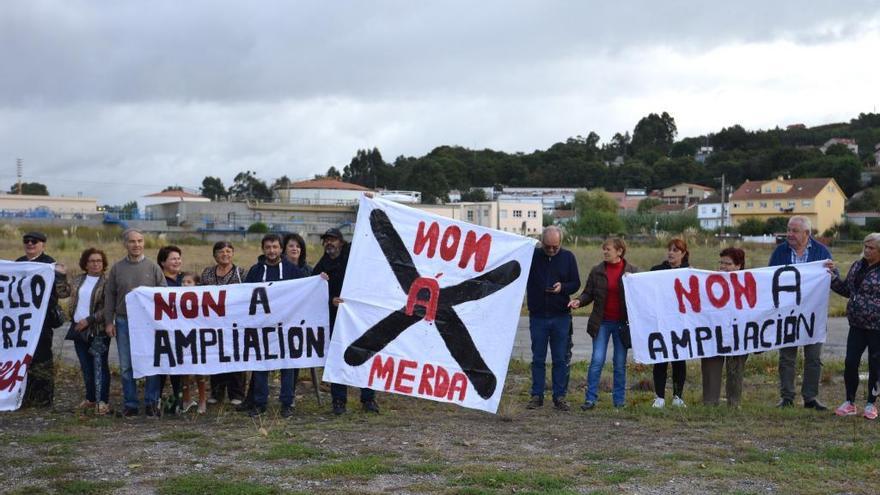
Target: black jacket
335 270
60 290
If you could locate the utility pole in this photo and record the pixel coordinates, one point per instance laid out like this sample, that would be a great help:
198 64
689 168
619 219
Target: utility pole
723 191
19 167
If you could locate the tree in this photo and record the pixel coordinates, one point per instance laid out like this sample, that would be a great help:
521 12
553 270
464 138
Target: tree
213 188
476 194
752 226
367 168
172 188
282 182
655 133
648 204
332 173
598 222
34 188
247 186
594 200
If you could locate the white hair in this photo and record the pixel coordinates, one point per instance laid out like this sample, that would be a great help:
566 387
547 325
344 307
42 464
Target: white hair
551 228
873 237
805 222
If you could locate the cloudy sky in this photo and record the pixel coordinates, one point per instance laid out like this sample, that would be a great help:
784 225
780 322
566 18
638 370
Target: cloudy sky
119 99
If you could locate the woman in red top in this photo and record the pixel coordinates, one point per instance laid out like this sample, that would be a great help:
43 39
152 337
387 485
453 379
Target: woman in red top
608 320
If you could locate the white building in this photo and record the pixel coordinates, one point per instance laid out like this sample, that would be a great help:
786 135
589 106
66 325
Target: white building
709 213
32 205
703 153
524 218
551 198
328 192
408 197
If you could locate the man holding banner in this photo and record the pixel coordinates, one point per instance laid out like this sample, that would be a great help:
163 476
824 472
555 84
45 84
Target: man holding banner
40 390
133 271
800 247
272 268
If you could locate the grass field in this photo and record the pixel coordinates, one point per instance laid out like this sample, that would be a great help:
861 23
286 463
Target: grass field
418 446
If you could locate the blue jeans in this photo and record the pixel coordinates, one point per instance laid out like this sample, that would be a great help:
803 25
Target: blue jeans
340 392
552 330
129 386
608 329
95 368
260 379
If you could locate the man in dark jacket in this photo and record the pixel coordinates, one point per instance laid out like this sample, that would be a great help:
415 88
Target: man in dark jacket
800 247
553 277
40 389
332 267
272 267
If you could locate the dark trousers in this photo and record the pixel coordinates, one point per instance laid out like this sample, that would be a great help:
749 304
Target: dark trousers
679 374
176 387
232 384
91 361
260 387
340 393
40 388
856 342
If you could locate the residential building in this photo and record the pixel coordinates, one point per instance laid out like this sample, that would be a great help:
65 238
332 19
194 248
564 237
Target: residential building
525 218
863 218
408 197
821 200
709 212
685 193
32 205
550 197
320 192
169 205
628 200
849 143
703 154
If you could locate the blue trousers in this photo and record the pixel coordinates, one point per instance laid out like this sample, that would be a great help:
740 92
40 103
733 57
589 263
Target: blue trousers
608 330
95 368
129 386
551 330
260 379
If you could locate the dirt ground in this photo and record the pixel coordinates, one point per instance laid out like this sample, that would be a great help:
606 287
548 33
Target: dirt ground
417 446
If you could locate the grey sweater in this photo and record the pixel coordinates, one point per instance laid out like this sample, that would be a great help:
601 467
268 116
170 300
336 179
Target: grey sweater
125 276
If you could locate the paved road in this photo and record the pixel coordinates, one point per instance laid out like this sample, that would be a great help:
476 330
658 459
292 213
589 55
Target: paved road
835 346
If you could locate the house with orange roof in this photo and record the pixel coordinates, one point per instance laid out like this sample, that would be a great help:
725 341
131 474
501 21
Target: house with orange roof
819 199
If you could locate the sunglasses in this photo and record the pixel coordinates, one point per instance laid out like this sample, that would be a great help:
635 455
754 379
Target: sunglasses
31 240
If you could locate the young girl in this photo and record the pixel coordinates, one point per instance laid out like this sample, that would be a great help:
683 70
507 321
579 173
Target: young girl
191 279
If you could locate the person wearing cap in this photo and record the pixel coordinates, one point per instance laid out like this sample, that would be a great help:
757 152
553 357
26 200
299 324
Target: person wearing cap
331 266
135 270
272 266
40 390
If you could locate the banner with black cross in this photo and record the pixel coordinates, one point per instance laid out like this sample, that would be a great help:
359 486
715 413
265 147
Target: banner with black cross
430 305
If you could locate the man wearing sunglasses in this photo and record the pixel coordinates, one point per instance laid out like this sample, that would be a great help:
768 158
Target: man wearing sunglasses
40 388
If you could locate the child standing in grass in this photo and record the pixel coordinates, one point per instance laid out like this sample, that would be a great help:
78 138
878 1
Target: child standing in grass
190 280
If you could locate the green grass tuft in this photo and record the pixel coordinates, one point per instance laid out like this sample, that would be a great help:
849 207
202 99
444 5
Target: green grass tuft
197 484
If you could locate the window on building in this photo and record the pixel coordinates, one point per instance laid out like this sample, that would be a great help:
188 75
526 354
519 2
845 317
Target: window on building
779 189
777 204
767 189
503 213
517 213
763 204
714 209
470 215
791 204
533 214
807 202
736 205
828 203
750 204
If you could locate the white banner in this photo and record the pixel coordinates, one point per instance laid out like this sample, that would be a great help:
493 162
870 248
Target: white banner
25 289
686 313
213 329
431 306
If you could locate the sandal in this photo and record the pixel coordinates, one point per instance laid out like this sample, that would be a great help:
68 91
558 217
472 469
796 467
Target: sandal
86 404
102 409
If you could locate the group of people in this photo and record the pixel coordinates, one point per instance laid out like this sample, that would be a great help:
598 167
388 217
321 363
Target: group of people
554 279
97 314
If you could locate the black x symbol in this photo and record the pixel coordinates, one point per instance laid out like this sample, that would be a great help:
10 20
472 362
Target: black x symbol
452 330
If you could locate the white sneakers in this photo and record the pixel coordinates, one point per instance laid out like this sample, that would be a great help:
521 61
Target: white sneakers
677 402
659 403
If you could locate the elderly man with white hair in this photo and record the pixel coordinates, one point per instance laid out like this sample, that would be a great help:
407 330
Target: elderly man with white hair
133 271
800 247
862 287
553 277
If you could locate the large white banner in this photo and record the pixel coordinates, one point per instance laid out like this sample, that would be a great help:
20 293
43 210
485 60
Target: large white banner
431 306
25 289
687 313
214 329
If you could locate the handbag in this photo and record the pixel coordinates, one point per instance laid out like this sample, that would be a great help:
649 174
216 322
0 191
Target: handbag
83 337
